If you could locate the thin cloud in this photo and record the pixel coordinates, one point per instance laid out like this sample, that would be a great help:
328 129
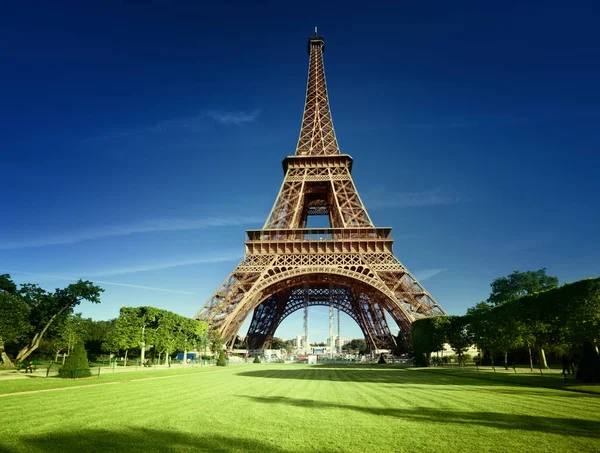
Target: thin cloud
380 199
428 273
148 226
232 256
102 282
234 117
190 123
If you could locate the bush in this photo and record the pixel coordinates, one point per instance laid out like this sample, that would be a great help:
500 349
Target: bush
222 360
256 359
76 365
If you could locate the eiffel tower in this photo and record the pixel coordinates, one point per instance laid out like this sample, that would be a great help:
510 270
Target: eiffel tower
288 267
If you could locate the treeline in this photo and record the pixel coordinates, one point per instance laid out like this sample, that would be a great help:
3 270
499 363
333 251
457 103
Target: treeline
34 321
165 332
565 319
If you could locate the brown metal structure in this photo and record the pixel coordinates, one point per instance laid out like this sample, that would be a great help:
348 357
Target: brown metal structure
350 265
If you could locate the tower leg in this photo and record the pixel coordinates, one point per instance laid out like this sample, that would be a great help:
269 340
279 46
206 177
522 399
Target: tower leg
331 339
306 342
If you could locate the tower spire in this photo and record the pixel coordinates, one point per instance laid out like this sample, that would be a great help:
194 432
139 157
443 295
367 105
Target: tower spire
317 136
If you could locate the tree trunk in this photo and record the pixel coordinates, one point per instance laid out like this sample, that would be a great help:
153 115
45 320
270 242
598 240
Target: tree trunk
37 338
185 356
428 358
64 357
530 359
492 358
506 360
125 362
5 359
143 345
159 354
543 359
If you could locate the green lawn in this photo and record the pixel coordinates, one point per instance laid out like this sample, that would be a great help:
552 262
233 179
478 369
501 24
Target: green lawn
299 408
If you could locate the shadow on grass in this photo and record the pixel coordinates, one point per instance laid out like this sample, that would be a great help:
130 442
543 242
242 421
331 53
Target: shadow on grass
140 440
425 376
552 425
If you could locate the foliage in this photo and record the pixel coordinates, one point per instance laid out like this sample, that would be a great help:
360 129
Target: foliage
7 285
429 334
14 318
519 284
457 335
256 359
356 346
216 342
47 311
76 365
222 360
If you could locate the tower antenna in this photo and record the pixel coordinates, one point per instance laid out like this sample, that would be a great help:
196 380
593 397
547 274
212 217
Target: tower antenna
315 30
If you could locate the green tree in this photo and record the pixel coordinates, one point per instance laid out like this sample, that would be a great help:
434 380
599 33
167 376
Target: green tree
216 342
7 285
222 360
356 346
429 335
76 365
46 308
495 329
127 333
168 333
519 284
14 322
458 335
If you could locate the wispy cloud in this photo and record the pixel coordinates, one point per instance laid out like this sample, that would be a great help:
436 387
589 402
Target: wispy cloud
190 123
379 198
220 258
148 226
234 117
100 282
427 274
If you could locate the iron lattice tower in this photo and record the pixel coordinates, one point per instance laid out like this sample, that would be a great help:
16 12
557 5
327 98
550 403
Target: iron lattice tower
288 267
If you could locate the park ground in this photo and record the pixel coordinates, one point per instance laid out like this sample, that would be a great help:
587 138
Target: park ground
300 408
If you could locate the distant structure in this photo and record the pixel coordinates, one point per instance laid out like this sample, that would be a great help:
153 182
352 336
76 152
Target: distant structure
349 266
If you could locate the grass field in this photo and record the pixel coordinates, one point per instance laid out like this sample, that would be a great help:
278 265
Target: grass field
299 408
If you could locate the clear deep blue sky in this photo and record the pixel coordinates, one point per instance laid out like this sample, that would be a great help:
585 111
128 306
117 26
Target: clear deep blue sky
139 142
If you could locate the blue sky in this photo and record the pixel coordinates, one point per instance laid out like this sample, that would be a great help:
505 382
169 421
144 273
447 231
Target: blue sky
139 142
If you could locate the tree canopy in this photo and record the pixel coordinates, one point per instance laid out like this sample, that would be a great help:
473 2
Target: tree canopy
519 284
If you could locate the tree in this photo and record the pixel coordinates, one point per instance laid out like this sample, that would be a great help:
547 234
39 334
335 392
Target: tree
127 333
216 342
429 335
7 285
76 365
495 329
356 346
458 336
14 322
222 360
168 336
278 343
73 331
519 284
46 308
